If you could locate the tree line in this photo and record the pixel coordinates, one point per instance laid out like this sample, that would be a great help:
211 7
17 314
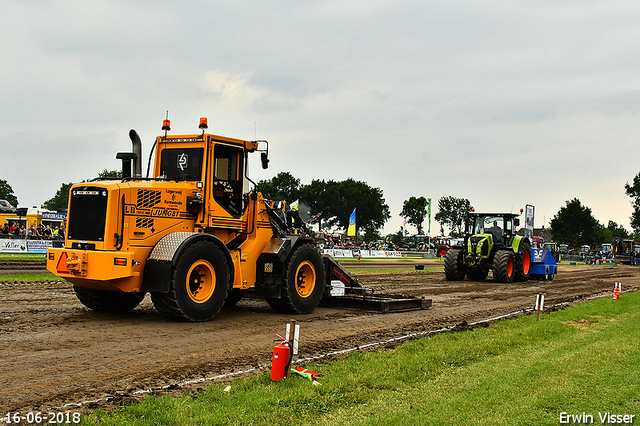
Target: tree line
333 202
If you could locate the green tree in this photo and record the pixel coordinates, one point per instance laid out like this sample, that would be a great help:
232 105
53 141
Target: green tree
60 200
633 191
414 210
615 230
336 201
6 193
110 174
575 225
282 187
451 212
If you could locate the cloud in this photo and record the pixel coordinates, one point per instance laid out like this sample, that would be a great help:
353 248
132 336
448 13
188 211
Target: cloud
504 104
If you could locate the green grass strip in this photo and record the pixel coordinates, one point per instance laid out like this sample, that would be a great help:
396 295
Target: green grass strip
581 360
23 256
29 278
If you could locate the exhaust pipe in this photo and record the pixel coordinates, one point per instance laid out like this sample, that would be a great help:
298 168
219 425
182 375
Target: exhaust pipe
137 149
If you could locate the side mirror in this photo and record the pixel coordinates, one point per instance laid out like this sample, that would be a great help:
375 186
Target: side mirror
516 221
264 159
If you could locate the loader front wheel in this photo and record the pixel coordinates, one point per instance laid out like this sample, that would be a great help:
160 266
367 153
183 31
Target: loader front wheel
454 265
199 284
503 266
303 282
108 301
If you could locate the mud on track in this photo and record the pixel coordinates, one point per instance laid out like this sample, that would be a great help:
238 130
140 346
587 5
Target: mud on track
54 351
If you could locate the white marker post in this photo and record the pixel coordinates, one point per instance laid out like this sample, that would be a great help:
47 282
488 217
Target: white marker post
539 305
292 336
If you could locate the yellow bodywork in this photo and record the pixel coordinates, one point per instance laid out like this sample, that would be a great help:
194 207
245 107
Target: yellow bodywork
140 212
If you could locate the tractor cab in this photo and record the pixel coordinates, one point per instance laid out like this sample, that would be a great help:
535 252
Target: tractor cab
498 226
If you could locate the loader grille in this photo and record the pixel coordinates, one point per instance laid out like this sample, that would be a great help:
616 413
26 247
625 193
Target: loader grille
147 198
87 213
144 222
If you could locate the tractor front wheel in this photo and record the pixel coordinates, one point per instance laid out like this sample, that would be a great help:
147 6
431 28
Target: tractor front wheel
454 265
503 266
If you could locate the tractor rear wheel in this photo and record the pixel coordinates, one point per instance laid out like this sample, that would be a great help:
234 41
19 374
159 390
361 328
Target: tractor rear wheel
454 265
523 262
503 266
108 301
199 284
302 283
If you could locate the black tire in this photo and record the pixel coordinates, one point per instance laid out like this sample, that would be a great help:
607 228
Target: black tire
235 295
523 262
550 277
477 274
454 269
503 266
302 283
108 301
200 283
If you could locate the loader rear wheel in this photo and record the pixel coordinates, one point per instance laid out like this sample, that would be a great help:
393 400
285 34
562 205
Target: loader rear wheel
503 266
199 284
454 265
523 262
303 282
108 301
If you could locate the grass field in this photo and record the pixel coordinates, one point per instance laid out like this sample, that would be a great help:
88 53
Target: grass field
23 256
29 278
579 361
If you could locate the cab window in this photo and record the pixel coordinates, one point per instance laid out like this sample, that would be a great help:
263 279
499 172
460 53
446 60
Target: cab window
182 163
227 180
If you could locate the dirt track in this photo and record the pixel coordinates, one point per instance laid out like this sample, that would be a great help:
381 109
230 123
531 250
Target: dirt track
55 351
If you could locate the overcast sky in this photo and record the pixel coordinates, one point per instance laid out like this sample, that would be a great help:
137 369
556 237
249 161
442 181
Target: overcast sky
505 103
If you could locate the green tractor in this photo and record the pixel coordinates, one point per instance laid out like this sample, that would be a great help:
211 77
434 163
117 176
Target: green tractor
490 243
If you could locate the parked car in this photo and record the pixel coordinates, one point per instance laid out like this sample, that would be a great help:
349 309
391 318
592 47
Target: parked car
6 207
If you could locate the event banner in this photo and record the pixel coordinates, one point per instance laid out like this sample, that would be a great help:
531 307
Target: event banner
362 253
10 245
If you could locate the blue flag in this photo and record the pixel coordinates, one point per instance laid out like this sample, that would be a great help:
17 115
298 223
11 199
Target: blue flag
351 232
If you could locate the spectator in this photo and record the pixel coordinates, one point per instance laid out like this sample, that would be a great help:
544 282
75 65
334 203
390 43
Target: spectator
47 232
5 229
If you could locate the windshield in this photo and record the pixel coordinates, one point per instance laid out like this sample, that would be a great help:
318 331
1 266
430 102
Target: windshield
182 163
488 224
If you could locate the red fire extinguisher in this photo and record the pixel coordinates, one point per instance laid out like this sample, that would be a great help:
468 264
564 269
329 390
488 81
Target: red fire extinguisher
281 360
